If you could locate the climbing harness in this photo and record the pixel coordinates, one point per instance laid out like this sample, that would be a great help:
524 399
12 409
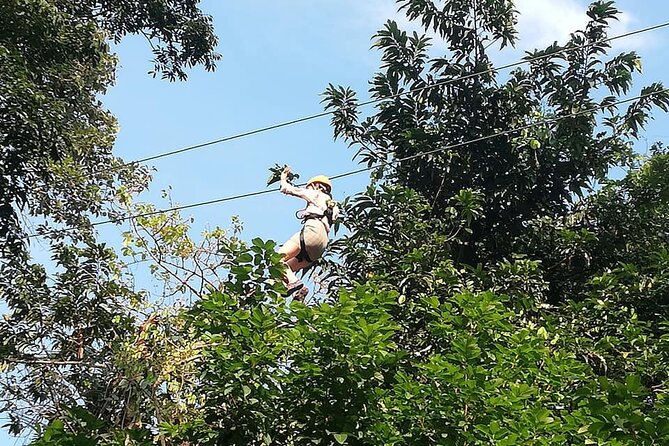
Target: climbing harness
328 213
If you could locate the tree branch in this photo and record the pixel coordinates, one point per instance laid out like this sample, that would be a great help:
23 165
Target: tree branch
54 362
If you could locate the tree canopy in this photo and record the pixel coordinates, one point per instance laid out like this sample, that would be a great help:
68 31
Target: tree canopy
57 170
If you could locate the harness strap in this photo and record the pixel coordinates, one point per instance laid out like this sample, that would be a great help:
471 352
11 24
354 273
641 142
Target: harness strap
306 217
303 255
327 213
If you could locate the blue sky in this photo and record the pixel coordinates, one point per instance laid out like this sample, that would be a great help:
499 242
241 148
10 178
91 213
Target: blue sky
278 57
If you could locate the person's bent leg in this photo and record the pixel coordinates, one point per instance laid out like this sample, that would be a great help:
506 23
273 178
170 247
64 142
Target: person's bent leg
289 250
297 289
296 265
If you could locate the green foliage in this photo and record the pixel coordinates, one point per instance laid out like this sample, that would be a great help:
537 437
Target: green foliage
615 240
275 174
64 320
278 374
275 372
57 341
534 173
54 130
92 432
54 62
584 268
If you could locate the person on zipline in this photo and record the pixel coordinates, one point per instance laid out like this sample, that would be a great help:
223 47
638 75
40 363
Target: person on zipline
307 245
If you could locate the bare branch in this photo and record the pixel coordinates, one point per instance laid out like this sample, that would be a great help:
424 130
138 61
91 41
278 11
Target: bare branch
54 362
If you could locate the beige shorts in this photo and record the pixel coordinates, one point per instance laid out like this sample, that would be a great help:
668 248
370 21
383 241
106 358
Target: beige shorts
315 238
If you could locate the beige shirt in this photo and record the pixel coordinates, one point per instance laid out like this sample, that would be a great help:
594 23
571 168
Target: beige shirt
317 201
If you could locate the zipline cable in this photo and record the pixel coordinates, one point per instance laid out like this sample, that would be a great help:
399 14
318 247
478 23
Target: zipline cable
364 169
393 96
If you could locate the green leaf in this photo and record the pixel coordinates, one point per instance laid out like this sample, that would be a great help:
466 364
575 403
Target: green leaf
340 438
466 348
244 258
633 383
